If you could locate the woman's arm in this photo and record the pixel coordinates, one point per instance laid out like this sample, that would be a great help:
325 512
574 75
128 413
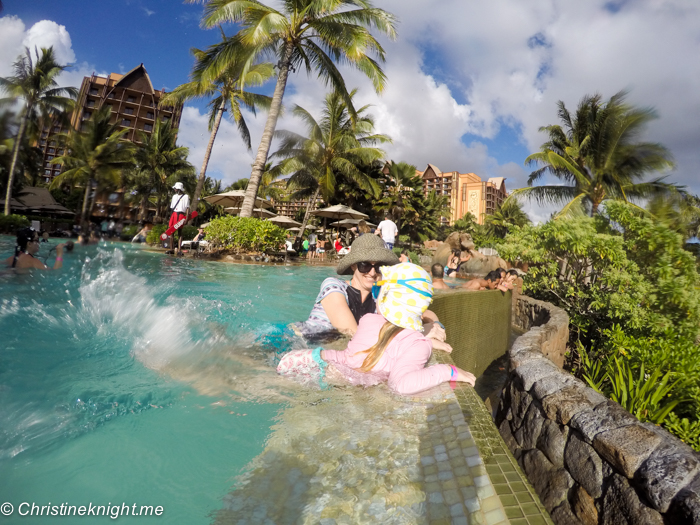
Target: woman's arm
59 257
339 314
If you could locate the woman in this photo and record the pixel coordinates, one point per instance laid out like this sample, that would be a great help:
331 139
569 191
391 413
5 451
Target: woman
25 250
456 260
340 304
388 346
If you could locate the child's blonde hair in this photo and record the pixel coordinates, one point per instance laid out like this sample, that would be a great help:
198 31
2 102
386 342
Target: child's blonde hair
374 353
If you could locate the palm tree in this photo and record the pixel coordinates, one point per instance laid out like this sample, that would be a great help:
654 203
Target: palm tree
96 156
226 93
313 33
508 214
162 162
35 84
597 155
335 147
402 197
679 211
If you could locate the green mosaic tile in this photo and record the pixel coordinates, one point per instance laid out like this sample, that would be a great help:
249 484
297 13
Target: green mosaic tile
497 478
512 476
530 509
522 521
537 520
518 486
492 469
508 500
502 488
514 512
508 468
524 497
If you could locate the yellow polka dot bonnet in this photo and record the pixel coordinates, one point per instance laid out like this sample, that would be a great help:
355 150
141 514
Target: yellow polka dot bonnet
406 292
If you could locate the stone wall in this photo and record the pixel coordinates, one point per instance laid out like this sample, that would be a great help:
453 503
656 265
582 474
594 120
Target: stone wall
590 461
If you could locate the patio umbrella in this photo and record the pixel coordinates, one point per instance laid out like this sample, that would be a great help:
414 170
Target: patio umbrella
234 198
349 223
284 221
308 227
257 212
339 212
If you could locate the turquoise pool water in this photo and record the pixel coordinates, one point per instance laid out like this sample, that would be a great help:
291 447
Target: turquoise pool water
130 377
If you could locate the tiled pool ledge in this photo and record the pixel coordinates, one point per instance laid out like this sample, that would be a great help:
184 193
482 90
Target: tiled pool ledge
353 455
517 499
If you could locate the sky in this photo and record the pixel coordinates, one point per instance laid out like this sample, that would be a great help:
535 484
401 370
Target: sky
469 82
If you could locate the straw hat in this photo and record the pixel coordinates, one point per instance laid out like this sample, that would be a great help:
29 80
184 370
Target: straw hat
368 248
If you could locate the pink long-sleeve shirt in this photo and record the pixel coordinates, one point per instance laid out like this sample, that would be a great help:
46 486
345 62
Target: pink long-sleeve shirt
403 359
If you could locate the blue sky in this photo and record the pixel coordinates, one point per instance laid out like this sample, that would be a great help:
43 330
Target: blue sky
470 82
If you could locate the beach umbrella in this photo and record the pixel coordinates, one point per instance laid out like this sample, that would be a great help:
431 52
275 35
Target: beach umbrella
257 212
284 221
308 227
234 198
349 223
338 212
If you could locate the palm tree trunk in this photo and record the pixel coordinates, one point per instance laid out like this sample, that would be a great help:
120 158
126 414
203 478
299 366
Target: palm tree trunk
264 148
308 211
13 164
144 207
83 215
207 154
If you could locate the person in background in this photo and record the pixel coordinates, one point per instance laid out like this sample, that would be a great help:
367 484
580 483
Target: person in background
142 234
404 257
388 231
119 229
104 228
311 254
25 250
199 237
180 204
321 249
111 229
389 345
490 282
437 272
457 259
304 247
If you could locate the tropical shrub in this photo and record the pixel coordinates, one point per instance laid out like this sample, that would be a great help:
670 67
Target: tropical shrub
188 232
129 231
616 268
153 236
245 234
11 223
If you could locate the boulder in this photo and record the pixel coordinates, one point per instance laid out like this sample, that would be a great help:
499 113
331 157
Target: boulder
454 241
622 506
626 448
584 465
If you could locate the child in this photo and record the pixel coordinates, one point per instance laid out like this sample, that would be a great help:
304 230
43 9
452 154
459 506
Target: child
388 346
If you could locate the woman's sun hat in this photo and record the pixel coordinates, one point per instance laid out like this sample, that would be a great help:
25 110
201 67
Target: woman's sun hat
179 186
406 292
366 248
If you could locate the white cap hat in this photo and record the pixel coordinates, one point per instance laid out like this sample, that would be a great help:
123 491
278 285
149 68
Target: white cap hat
179 186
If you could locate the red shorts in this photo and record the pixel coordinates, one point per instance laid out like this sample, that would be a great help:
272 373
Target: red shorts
175 218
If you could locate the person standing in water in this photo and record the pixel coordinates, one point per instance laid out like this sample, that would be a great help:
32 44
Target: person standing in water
26 249
180 204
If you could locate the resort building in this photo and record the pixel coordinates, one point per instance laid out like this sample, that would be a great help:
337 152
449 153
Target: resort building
467 192
291 207
134 106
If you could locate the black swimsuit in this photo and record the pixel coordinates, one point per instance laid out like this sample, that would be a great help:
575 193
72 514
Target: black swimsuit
357 307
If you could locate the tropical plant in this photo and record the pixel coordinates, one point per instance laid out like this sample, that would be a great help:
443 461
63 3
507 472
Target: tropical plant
95 157
161 162
226 93
402 196
313 33
597 156
245 234
335 146
508 214
11 223
35 84
684 429
679 211
616 268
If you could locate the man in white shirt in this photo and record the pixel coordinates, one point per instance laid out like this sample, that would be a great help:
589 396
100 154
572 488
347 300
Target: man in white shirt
180 204
388 230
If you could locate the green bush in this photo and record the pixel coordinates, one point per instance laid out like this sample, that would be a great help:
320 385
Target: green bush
129 231
188 232
12 223
245 234
613 269
153 236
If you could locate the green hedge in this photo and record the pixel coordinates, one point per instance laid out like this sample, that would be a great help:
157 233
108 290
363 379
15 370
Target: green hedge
153 236
245 234
11 223
129 231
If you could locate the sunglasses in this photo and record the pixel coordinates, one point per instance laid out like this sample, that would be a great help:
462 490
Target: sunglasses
377 287
366 267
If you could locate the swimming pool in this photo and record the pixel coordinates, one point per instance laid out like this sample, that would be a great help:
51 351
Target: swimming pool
132 378
129 377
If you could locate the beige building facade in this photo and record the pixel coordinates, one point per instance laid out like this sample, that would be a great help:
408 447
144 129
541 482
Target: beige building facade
467 192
